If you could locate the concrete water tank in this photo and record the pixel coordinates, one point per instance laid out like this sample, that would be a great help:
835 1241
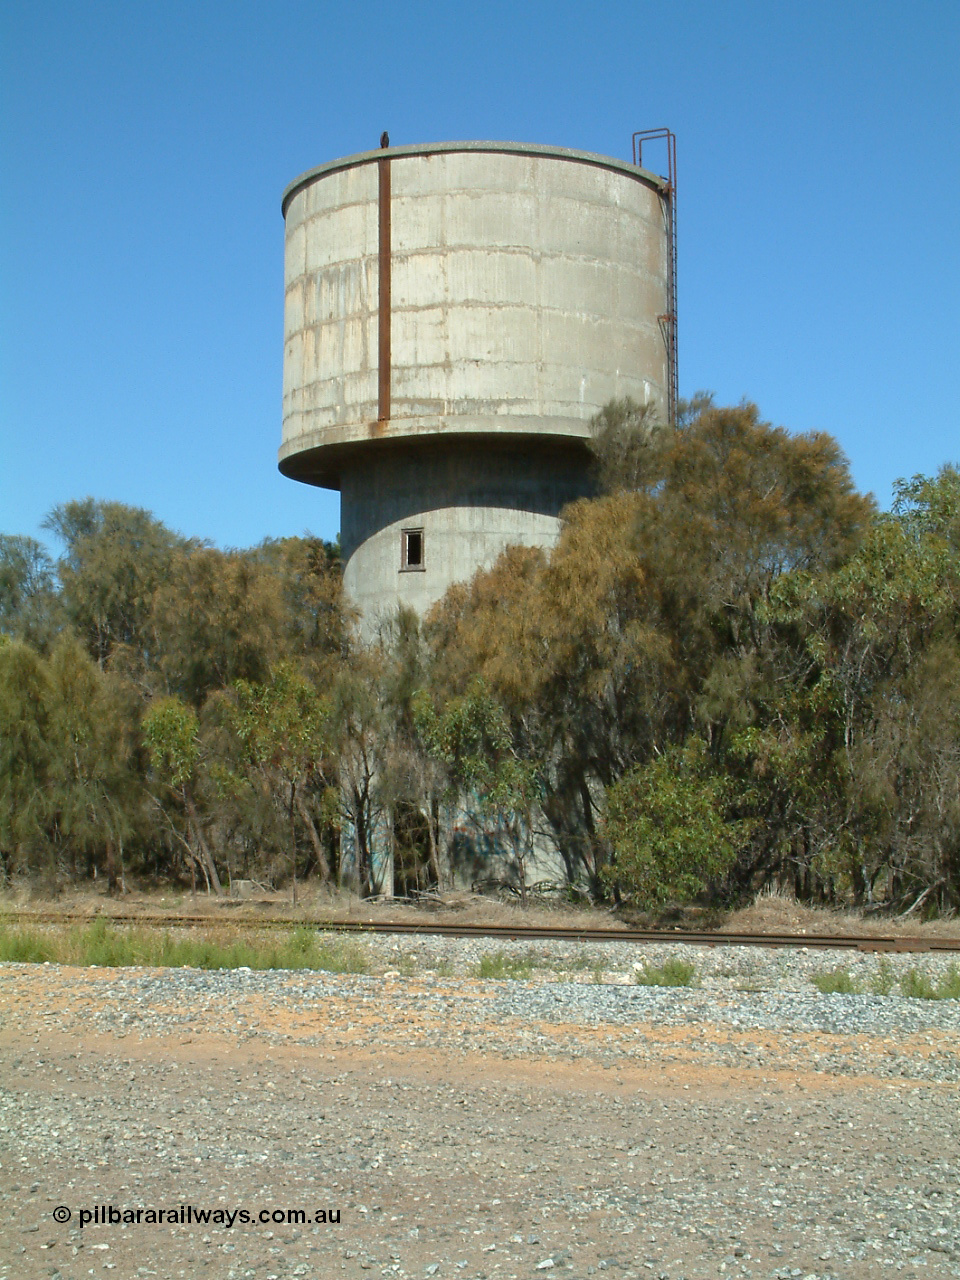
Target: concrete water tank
455 314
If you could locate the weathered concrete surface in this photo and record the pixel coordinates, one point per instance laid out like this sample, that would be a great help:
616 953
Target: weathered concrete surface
470 499
526 288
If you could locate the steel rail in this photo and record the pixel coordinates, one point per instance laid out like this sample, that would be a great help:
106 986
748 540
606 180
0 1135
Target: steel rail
512 933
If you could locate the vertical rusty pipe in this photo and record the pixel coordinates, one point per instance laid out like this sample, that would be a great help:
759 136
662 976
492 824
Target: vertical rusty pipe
383 344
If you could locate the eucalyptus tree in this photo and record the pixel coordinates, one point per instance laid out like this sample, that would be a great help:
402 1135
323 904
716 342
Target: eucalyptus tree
69 786
490 785
26 802
171 731
315 616
93 774
645 623
217 616
285 727
672 826
414 780
862 746
29 605
930 505
361 727
114 559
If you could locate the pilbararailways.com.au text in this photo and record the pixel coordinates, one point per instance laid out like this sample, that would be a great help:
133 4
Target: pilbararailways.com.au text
184 1215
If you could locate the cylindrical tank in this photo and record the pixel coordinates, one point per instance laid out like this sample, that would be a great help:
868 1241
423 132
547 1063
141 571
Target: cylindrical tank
522 288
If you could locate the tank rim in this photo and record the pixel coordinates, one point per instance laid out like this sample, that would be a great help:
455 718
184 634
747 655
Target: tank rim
495 148
322 465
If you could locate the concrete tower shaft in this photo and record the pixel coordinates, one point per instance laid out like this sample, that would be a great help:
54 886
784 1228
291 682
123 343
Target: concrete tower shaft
454 316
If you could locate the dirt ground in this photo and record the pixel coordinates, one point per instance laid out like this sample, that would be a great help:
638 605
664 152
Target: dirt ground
560 1151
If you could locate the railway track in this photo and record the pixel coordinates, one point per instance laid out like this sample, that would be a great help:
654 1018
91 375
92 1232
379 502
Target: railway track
510 933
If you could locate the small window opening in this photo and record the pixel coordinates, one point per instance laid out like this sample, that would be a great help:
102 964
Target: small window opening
411 549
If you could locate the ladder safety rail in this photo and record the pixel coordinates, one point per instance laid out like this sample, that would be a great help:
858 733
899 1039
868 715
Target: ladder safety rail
668 321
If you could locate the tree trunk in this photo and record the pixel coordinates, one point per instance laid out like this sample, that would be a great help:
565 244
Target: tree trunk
364 876
315 841
293 838
433 825
209 868
114 873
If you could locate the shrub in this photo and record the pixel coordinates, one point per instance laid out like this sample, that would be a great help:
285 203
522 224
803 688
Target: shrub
883 981
667 821
500 966
919 987
836 982
672 973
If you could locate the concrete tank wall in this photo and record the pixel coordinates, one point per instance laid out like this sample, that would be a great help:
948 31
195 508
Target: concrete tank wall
469 500
526 288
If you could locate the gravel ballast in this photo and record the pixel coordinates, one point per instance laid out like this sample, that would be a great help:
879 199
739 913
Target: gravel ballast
484 1129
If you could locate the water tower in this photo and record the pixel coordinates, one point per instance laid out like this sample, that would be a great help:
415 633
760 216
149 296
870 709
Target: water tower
455 314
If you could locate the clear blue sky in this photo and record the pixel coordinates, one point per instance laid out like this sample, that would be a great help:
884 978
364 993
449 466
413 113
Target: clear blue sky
145 148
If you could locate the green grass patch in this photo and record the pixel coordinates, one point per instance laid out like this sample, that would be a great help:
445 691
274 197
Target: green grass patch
884 980
99 943
580 962
914 983
834 982
500 967
22 947
672 973
920 987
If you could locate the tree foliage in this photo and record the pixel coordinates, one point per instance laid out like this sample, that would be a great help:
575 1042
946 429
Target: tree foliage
285 727
115 557
68 796
28 600
730 670
668 824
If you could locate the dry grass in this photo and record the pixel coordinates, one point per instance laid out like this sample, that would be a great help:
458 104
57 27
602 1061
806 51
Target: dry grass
100 943
775 911
315 905
771 912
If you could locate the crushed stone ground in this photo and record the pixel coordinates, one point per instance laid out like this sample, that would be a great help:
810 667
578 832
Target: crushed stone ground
483 1130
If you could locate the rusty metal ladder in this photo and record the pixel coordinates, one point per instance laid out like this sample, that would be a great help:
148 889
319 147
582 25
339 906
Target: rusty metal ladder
668 320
